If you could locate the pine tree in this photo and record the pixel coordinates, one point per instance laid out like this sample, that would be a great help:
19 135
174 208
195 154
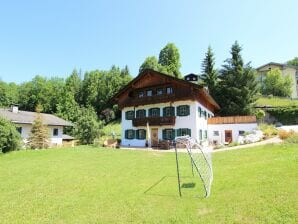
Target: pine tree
238 86
209 74
39 136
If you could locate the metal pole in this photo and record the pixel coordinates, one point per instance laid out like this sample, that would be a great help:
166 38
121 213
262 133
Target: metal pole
178 174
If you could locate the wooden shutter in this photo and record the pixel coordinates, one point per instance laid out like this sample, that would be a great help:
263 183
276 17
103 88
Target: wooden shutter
178 132
173 134
137 134
164 134
178 111
189 132
187 110
126 134
150 112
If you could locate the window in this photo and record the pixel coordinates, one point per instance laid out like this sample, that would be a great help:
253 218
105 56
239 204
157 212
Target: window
241 133
149 92
205 114
200 134
183 110
154 112
55 132
129 134
168 134
19 129
183 132
129 115
140 113
205 134
141 134
215 133
200 111
168 111
169 90
159 92
141 94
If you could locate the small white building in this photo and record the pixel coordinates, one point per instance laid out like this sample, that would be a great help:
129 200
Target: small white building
223 130
24 120
165 107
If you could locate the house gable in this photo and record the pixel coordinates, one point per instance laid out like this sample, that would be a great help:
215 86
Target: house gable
154 81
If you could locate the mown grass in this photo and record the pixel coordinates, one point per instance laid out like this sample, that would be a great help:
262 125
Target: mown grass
95 185
276 102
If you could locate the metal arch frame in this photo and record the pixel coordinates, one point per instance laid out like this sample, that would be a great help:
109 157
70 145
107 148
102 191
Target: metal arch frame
190 143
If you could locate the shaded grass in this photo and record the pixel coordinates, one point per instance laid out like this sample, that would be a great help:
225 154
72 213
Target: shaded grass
90 185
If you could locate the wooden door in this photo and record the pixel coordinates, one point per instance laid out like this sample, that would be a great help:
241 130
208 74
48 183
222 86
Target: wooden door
228 136
154 137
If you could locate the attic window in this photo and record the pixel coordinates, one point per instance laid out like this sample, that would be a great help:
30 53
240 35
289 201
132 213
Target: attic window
169 90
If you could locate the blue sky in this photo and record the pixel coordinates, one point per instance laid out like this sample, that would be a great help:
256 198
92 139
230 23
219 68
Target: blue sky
52 37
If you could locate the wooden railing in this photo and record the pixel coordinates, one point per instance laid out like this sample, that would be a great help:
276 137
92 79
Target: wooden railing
154 121
232 120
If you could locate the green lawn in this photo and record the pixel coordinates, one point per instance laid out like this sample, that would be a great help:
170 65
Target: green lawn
276 102
91 185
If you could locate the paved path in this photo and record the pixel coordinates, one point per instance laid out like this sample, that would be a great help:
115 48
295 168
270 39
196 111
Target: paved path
274 140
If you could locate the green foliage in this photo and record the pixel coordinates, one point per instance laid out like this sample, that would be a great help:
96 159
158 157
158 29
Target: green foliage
169 59
150 63
238 86
294 61
285 115
293 138
9 137
39 136
209 73
276 84
8 94
268 130
87 126
260 114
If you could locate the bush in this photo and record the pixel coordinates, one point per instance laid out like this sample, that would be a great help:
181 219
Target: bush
293 138
283 134
285 115
268 130
10 138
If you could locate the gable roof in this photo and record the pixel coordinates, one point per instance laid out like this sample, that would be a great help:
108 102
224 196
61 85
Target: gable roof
151 71
27 117
278 64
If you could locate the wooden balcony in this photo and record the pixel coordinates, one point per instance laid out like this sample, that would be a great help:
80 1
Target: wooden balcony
154 121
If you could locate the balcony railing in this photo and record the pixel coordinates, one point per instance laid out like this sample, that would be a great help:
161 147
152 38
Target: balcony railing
154 121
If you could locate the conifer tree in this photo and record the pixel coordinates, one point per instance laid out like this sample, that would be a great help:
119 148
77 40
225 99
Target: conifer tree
39 136
238 86
209 74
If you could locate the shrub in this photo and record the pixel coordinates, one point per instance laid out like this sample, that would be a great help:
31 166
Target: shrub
268 130
283 134
293 138
9 137
285 115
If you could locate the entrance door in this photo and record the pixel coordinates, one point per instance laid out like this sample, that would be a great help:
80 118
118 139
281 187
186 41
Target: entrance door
228 136
154 137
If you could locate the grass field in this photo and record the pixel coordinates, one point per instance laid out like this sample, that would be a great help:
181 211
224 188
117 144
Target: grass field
276 102
91 185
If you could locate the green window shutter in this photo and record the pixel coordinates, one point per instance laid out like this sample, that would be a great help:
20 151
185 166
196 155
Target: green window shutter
137 134
164 134
144 134
158 109
187 110
144 113
137 114
201 135
150 112
173 134
172 111
126 115
178 110
164 112
133 134
189 132
200 111
126 135
179 132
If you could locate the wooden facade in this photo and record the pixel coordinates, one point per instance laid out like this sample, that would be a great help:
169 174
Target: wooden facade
154 121
153 81
232 120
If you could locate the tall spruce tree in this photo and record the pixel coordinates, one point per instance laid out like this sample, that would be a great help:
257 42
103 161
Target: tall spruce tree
39 136
209 74
238 86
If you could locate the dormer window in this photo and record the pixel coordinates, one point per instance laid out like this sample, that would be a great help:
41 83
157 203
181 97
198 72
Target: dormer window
169 90
141 94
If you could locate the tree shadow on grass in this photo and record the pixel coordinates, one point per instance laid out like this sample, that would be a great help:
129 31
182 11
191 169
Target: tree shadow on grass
191 187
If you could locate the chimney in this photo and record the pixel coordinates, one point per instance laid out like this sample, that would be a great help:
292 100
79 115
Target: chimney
15 108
